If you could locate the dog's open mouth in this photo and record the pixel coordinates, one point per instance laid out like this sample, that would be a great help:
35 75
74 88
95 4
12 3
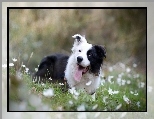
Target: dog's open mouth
79 71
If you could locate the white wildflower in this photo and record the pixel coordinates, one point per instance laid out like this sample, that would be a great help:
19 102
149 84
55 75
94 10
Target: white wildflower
50 78
118 107
61 84
135 94
128 70
93 97
123 114
128 81
104 99
48 92
36 69
4 65
94 107
138 104
102 82
26 70
134 65
70 102
136 75
123 82
141 84
110 91
23 66
42 84
109 79
81 107
126 99
11 64
14 59
73 91
149 89
131 92
97 114
119 81
88 83
120 75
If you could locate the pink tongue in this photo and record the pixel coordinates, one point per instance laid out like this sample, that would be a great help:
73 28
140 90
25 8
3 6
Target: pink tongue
78 74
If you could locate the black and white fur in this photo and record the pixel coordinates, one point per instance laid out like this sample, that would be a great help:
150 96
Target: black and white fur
51 69
83 69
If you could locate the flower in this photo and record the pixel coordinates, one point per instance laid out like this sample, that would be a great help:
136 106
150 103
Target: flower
14 59
48 92
109 79
126 99
23 66
36 69
134 65
50 78
112 92
128 81
104 99
141 84
4 65
26 70
81 107
128 70
138 104
61 84
11 64
73 91
94 107
118 107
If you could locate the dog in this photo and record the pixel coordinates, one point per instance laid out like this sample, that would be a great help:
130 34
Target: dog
51 69
83 69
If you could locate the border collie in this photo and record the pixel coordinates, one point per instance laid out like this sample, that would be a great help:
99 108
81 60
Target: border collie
83 69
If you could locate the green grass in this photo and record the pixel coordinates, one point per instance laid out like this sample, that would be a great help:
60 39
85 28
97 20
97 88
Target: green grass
102 101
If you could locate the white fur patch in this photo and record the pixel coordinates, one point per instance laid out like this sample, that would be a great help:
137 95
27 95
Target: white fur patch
89 82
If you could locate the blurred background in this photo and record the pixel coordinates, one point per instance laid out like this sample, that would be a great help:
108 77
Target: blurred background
35 33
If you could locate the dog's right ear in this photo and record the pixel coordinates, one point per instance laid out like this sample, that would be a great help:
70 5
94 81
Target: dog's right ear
79 39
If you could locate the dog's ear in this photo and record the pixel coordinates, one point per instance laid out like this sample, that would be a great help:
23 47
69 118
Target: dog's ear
101 51
79 39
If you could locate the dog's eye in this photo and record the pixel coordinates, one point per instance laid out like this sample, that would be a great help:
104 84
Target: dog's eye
79 50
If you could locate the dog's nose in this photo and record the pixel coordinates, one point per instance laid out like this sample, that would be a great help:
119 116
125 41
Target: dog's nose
79 59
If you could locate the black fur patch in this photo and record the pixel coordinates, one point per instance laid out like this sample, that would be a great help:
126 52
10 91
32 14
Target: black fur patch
53 67
96 55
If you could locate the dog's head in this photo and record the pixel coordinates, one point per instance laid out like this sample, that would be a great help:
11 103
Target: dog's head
86 56
80 48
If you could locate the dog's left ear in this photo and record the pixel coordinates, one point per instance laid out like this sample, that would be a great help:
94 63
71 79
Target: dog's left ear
101 51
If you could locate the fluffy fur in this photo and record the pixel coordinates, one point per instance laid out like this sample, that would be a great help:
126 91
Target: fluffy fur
83 69
51 69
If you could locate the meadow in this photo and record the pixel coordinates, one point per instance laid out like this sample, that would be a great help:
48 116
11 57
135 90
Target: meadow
122 89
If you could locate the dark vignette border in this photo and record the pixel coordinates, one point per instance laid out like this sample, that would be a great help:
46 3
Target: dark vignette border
8 8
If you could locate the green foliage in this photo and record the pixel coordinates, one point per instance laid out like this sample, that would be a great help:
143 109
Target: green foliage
119 91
